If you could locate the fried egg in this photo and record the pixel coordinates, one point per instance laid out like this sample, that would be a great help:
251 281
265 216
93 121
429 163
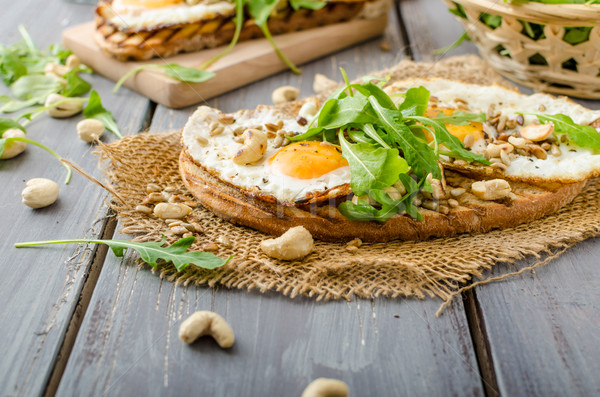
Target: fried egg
564 163
296 173
150 14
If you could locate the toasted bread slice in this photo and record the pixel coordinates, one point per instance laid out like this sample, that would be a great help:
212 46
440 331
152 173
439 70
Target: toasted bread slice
326 223
131 43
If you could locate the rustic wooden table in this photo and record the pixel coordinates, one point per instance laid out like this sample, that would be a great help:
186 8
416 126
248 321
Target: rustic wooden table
76 320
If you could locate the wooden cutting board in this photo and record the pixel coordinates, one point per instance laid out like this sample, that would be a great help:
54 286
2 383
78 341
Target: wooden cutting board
249 61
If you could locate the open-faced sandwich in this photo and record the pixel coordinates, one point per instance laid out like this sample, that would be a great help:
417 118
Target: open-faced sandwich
142 29
413 160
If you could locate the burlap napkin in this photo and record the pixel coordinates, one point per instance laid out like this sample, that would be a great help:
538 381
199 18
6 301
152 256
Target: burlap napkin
437 267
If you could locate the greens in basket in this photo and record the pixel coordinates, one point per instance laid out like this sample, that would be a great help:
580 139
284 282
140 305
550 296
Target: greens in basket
573 35
387 145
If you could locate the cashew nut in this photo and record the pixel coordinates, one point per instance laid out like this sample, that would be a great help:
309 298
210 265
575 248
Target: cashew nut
284 94
253 149
536 132
68 108
309 109
207 323
326 387
13 148
171 210
296 243
72 62
55 69
90 130
40 192
494 189
323 84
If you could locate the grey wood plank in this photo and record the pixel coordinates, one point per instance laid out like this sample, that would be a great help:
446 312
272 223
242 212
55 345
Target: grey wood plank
40 288
541 327
430 27
128 342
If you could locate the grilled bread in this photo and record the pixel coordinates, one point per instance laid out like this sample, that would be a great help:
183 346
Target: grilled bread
141 36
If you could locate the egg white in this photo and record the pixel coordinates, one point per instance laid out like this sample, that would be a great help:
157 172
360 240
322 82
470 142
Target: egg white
259 177
574 163
138 17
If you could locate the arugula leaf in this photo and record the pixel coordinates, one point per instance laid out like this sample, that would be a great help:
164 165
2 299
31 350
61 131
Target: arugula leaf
371 167
454 145
173 70
11 67
412 188
461 118
582 135
76 86
35 87
348 111
415 103
6 124
95 110
419 155
260 10
151 252
238 20
362 211
308 4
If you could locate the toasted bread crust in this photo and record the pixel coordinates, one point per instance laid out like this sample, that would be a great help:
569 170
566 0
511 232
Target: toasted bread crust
326 223
166 41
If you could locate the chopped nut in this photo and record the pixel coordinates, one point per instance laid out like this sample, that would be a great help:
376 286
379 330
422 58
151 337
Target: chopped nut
555 150
494 189
156 197
224 241
209 247
351 248
143 209
453 203
536 132
537 151
152 187
459 191
356 242
179 229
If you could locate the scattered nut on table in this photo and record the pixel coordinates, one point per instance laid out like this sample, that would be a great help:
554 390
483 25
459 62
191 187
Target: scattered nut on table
90 130
203 323
68 108
40 192
13 148
323 84
284 94
326 387
296 243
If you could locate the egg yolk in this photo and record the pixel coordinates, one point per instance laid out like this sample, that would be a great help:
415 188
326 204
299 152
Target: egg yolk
152 3
459 131
307 160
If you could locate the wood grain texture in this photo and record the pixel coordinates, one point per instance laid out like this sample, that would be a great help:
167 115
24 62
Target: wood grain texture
39 288
542 327
128 342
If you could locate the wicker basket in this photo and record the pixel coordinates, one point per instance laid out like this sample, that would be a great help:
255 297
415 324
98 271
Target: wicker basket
528 46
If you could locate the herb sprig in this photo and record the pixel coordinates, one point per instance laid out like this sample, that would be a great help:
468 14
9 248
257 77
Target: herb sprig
386 144
151 252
